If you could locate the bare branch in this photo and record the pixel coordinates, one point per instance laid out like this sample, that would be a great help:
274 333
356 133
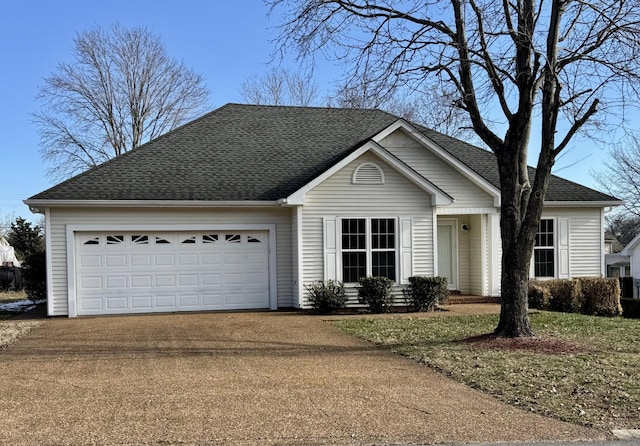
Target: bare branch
121 90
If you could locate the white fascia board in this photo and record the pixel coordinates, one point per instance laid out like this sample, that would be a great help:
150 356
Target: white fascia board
582 204
36 204
439 197
444 155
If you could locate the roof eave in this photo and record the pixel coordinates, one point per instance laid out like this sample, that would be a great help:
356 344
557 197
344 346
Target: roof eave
594 204
36 204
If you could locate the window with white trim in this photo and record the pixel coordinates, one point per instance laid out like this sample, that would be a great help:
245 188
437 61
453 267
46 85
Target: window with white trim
368 248
544 251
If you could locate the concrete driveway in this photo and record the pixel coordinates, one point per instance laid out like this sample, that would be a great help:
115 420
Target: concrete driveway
237 378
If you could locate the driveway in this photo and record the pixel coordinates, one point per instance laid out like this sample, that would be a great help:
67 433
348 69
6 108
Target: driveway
237 378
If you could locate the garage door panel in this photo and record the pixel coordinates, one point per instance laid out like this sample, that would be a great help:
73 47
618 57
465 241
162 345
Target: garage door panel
117 303
211 259
189 300
254 298
88 261
140 260
164 260
116 282
89 304
166 301
142 302
165 280
91 283
255 278
211 279
189 280
188 260
116 261
212 300
141 281
146 272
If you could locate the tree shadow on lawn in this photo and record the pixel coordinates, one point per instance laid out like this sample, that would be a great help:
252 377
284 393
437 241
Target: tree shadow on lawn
544 345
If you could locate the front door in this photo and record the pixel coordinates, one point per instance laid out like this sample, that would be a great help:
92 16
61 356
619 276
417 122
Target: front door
447 252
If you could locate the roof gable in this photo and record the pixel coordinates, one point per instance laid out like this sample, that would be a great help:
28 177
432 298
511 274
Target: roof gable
248 153
438 196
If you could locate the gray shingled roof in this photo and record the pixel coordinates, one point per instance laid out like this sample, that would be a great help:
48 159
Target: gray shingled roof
261 153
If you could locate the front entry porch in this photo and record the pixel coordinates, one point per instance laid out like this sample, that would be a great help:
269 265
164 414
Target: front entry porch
468 254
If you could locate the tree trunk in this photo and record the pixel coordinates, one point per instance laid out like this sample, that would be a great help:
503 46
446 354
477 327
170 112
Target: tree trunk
514 311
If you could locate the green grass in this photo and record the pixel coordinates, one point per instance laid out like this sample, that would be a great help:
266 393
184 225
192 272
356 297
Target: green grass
596 384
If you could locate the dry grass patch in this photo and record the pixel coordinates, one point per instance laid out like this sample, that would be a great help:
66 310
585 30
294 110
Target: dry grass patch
581 369
10 330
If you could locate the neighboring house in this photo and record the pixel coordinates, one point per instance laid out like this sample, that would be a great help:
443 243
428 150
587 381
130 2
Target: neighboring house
617 264
632 251
245 206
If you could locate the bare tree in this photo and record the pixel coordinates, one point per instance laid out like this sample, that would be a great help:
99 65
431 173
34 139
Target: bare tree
121 90
280 87
510 63
433 110
623 226
620 175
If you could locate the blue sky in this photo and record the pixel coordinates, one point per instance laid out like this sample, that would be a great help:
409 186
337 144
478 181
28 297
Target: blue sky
224 41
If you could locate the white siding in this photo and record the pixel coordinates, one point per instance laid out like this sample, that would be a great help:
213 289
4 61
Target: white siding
585 239
338 197
295 259
478 267
439 172
61 217
464 255
634 260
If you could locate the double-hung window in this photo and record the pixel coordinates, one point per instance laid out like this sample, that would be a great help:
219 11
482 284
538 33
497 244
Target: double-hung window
368 248
544 255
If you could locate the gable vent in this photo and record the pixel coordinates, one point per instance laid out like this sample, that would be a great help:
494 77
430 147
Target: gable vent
368 173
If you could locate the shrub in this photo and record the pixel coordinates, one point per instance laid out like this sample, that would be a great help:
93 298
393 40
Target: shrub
35 275
424 293
565 295
539 296
601 296
587 295
376 293
630 308
326 297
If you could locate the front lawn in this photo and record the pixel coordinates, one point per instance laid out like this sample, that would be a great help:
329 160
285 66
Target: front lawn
582 369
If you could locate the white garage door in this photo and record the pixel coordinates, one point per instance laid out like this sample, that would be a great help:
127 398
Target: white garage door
144 272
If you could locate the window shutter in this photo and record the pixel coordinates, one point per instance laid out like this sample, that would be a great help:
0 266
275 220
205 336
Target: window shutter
563 248
406 250
330 249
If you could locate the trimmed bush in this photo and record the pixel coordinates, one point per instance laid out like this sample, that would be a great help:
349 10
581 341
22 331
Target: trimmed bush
601 296
587 295
630 308
376 293
539 296
565 295
326 297
424 293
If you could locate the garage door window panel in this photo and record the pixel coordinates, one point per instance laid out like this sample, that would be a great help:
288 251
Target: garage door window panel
140 239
